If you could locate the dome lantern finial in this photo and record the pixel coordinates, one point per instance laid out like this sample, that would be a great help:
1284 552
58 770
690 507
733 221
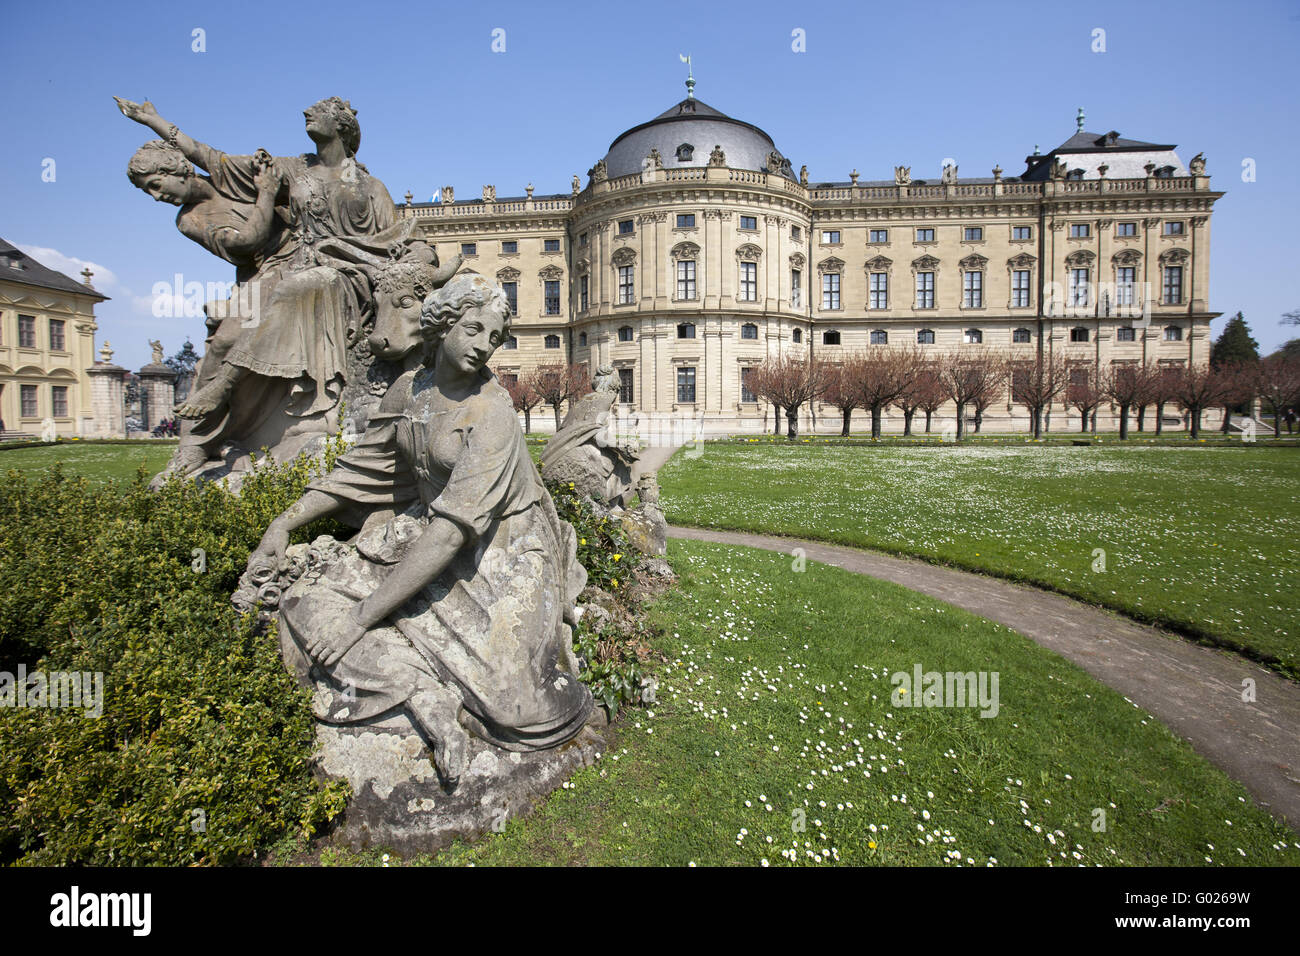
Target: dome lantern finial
690 75
1078 120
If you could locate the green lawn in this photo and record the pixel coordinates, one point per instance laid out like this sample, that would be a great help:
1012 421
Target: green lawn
98 461
775 710
1206 540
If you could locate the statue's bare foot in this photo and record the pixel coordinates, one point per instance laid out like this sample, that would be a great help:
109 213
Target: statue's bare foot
207 399
451 755
435 709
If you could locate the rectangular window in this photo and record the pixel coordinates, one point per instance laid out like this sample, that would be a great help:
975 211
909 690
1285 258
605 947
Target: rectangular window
686 220
1078 287
796 234
552 296
925 235
686 279
749 331
973 233
1126 333
27 331
1022 232
879 290
749 282
686 384
748 222
625 288
469 248
1126 229
583 288
57 342
1173 285
879 235
625 393
509 247
550 245
831 290
972 290
626 227
746 393
59 401
582 239
511 290
830 237
925 290
925 337
879 337
1125 277
1173 229
796 287
27 396
1020 288
1080 230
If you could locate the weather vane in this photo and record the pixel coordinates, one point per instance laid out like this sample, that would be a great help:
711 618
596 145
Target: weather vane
690 75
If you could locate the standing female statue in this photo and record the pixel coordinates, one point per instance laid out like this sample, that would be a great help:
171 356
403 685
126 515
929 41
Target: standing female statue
286 350
454 603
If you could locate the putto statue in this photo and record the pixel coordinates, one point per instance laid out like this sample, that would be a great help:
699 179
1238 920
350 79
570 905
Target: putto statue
448 616
288 349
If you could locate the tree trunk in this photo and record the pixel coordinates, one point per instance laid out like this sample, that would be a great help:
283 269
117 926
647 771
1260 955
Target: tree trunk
1038 422
776 419
1160 418
1194 414
1083 422
979 419
1227 419
875 422
929 413
557 416
1142 414
961 420
907 421
528 421
1123 423
791 423
844 429
1094 421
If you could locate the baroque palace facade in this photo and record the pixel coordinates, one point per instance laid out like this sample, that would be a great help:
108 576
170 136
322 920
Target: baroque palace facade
47 342
695 251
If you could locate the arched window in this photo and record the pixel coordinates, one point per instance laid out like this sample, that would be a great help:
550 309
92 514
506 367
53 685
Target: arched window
879 337
796 336
1021 335
552 341
749 331
582 338
625 333
686 330
925 337
973 337
1078 334
510 343
1173 333
831 338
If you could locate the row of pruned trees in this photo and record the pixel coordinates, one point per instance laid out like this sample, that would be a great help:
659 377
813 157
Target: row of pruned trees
974 379
550 384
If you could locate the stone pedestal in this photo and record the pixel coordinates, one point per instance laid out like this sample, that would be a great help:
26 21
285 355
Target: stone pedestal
157 388
107 398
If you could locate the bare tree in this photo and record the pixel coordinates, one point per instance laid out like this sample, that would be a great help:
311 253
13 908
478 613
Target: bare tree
968 375
882 376
1279 386
842 389
1037 384
554 384
789 382
1199 388
1240 386
522 395
1084 393
1128 385
927 392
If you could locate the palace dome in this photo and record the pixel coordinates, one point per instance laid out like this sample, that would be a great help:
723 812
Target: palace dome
686 134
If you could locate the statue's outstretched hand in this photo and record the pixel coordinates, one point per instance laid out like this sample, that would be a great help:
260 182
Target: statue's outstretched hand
270 551
140 112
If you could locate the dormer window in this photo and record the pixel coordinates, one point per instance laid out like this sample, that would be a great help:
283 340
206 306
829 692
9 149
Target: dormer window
1165 172
685 152
1074 174
1110 138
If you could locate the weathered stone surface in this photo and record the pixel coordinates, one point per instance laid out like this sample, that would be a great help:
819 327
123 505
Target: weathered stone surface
646 529
585 454
399 804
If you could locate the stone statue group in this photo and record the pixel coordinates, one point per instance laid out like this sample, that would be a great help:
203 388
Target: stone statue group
450 613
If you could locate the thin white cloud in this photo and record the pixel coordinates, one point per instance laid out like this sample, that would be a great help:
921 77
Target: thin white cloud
104 277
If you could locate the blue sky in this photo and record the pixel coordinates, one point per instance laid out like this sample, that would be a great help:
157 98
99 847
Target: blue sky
879 85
